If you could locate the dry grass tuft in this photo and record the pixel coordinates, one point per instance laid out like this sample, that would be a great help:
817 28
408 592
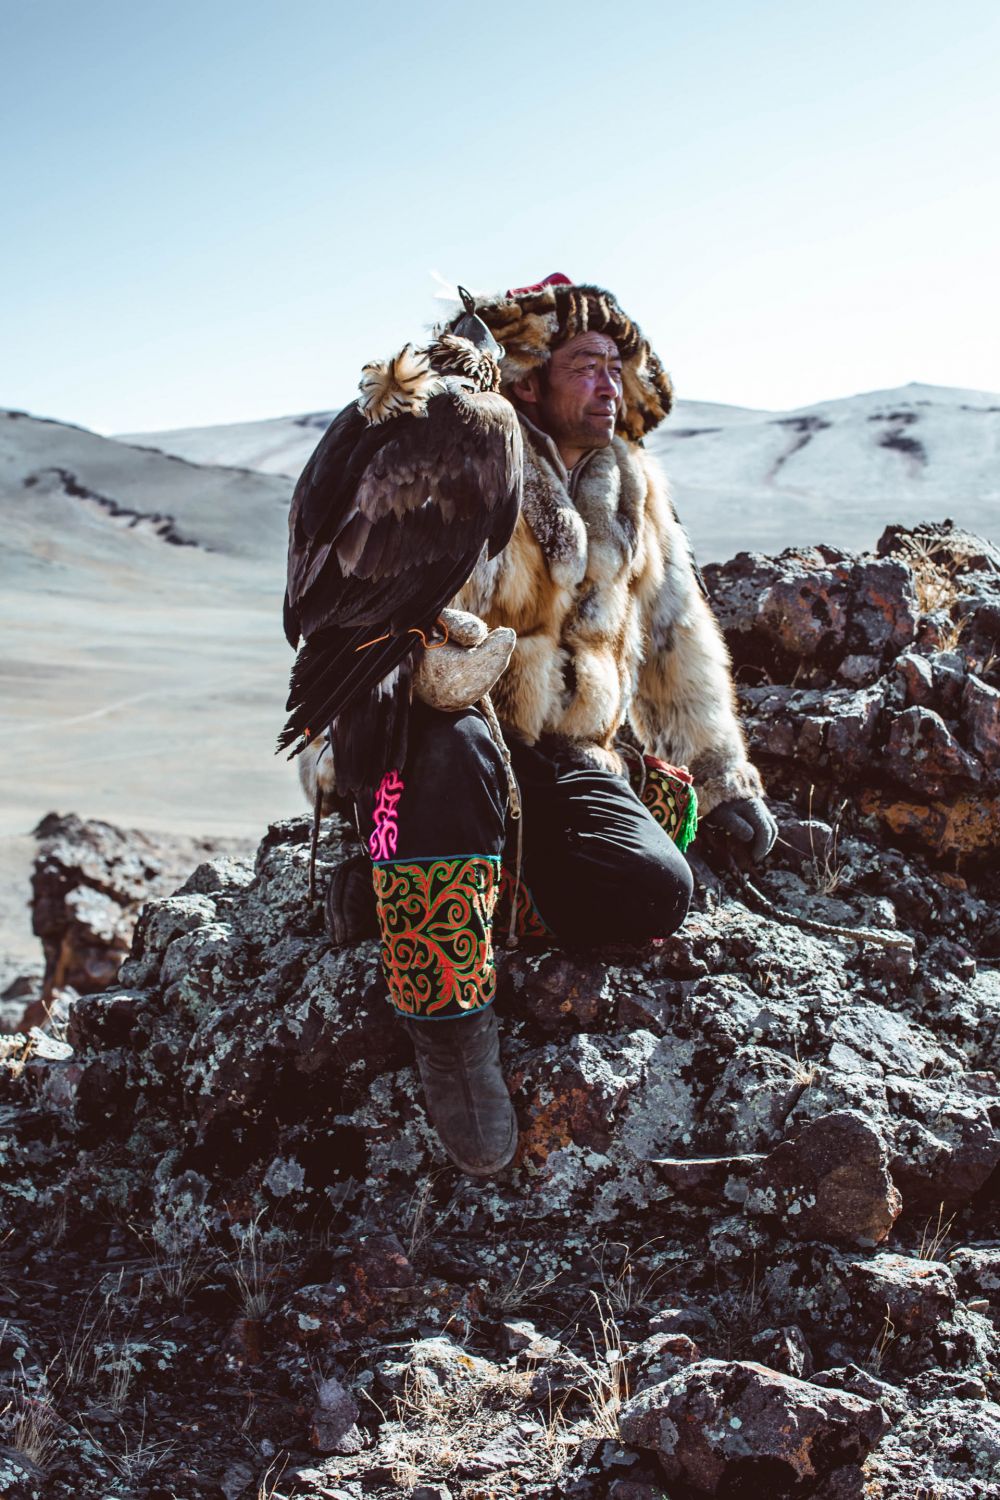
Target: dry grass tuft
932 582
440 1425
33 1431
256 1267
625 1283
932 1240
524 1291
824 865
880 1348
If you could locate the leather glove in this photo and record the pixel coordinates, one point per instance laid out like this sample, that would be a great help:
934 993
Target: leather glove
746 821
458 672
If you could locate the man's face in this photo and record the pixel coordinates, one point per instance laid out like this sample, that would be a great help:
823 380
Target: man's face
580 395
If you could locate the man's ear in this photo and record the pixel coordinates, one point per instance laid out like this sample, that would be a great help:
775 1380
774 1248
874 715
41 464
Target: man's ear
527 390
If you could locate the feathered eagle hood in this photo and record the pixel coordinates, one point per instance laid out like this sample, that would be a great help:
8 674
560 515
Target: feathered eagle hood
532 321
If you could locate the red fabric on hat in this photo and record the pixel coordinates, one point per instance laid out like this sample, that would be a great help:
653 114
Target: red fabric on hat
556 279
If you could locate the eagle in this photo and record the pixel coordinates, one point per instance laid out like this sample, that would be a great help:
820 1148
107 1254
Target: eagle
392 512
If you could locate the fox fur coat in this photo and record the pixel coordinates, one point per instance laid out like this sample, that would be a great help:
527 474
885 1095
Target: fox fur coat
597 582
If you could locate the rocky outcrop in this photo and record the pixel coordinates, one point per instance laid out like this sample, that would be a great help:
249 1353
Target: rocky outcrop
89 881
878 674
749 1238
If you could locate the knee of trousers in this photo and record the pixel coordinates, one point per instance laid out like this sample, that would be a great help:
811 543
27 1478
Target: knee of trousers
452 793
651 902
448 748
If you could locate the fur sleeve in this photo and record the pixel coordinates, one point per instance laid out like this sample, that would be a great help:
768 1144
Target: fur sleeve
684 709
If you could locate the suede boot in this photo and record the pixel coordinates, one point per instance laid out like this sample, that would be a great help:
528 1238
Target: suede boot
349 911
467 1099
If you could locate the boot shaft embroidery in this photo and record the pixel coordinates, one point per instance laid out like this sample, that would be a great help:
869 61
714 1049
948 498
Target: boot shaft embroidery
385 817
435 919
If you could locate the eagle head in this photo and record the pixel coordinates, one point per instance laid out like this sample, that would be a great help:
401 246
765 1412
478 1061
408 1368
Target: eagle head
453 354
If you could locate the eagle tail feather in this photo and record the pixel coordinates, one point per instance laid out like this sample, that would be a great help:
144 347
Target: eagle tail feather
325 684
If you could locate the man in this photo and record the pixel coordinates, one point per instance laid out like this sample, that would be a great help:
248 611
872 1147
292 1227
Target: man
598 584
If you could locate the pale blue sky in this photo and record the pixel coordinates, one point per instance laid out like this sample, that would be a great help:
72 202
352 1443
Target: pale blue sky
216 211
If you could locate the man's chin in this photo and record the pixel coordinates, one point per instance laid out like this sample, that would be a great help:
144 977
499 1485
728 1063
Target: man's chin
600 435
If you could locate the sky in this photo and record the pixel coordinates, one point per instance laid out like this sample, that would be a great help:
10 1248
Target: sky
216 211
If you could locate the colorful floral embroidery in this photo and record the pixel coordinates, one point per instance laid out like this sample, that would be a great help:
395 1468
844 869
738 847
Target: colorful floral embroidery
437 945
671 798
528 921
382 844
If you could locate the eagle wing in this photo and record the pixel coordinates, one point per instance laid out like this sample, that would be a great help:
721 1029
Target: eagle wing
387 523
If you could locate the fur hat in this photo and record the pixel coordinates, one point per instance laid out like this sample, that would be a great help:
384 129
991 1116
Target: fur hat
532 321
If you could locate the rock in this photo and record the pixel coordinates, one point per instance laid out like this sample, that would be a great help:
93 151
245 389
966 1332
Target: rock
242 1346
783 1349
964 824
507 1450
948 1446
595 1469
435 1364
812 604
89 880
976 1271
709 1179
236 1480
675 1320
334 1416
556 989
20 1479
831 1181
522 1337
981 718
922 752
658 1357
863 1383
914 1294
917 677
719 1425
314 1315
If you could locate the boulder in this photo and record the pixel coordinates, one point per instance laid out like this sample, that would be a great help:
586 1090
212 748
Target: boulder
735 1427
830 1182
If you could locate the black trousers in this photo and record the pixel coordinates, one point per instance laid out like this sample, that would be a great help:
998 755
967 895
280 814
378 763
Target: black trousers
599 867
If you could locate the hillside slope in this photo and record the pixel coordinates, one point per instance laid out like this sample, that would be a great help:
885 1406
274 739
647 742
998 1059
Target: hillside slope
143 668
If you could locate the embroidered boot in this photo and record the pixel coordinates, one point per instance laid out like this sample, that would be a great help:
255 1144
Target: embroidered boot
466 1097
435 917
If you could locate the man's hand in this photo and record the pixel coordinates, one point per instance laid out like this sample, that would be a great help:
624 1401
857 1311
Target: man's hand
743 826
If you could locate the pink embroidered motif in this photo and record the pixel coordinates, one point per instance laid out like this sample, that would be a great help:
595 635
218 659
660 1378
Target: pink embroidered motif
382 844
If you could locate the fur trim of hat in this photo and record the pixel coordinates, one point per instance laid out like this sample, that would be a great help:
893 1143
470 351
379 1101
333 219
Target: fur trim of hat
533 321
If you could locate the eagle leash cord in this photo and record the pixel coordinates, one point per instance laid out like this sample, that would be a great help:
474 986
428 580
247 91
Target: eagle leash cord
516 809
826 929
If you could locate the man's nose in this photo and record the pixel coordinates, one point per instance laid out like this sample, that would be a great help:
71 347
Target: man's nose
607 383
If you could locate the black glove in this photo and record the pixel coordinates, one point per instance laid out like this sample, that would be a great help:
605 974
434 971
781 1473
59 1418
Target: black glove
746 820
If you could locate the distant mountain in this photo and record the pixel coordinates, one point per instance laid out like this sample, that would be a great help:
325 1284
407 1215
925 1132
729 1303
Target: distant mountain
836 472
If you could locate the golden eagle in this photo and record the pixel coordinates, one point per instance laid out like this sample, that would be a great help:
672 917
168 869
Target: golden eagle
388 519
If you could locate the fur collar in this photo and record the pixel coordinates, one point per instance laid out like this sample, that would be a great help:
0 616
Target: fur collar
600 502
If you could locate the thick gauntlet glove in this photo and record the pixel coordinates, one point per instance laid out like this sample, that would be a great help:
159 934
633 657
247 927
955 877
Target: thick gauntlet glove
745 821
462 670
